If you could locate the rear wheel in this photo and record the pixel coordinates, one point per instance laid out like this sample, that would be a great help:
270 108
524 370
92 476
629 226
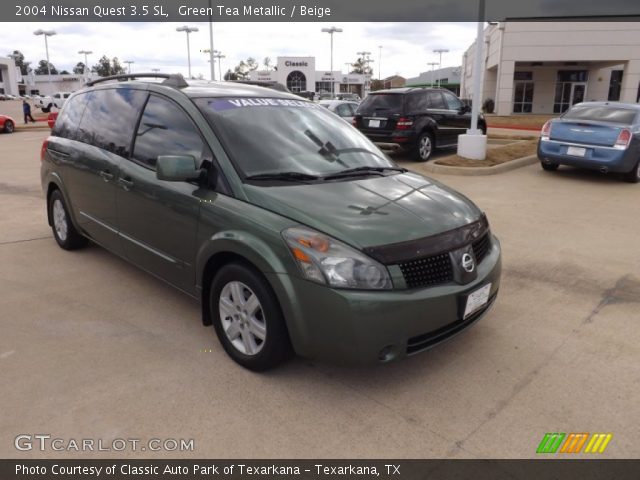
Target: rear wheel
549 167
9 127
424 147
247 318
63 230
634 175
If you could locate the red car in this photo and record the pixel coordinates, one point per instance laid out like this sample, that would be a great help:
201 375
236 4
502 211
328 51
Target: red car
7 124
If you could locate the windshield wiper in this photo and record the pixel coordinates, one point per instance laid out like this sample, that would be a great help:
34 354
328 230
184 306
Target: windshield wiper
285 176
352 172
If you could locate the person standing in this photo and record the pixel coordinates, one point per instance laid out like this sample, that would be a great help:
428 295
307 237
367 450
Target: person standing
26 109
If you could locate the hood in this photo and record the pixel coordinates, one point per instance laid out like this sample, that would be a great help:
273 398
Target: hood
372 211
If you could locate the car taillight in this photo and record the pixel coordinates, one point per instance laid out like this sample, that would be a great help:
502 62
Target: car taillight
623 140
404 123
43 149
545 133
354 122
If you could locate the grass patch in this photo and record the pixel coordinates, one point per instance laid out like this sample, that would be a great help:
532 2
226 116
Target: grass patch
495 156
529 121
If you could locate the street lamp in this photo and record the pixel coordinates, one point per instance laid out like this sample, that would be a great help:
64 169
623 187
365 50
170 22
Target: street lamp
129 62
433 65
379 61
331 31
219 56
440 51
47 33
188 30
86 62
348 65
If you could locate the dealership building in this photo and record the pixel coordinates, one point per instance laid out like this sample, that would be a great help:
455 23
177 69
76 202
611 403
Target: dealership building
545 67
12 82
299 74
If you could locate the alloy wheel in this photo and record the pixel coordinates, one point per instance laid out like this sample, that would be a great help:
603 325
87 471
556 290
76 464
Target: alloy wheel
60 220
242 318
424 147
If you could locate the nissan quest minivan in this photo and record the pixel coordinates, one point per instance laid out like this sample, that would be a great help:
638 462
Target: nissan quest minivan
293 230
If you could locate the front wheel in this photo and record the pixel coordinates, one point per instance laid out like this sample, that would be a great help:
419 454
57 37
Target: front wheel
9 127
63 230
634 175
247 318
424 148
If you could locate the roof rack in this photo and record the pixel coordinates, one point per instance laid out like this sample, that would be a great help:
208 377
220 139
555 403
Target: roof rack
175 80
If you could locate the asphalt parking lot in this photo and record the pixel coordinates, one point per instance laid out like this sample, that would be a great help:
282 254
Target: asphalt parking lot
92 347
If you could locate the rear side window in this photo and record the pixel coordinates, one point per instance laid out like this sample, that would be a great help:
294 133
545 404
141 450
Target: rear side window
602 113
66 125
382 103
453 102
435 101
110 117
165 129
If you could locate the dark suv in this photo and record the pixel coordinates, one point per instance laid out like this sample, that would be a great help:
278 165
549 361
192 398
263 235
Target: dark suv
417 120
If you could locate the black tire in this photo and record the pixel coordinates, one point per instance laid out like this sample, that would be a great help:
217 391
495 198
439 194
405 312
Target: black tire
422 153
46 109
549 167
9 127
275 348
63 230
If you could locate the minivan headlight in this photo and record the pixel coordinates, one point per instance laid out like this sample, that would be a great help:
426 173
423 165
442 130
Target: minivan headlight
325 260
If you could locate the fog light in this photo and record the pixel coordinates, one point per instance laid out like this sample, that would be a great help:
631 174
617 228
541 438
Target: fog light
388 353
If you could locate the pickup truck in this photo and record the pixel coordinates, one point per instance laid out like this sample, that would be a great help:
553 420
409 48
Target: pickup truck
50 101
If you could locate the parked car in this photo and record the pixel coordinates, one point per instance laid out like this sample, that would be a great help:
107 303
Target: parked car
56 100
293 230
352 97
342 108
7 124
415 120
603 136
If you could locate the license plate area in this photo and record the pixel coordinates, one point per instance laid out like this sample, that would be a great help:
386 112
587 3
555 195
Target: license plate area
576 151
376 122
476 300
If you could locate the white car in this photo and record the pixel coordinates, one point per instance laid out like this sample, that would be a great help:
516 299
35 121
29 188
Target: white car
54 101
343 108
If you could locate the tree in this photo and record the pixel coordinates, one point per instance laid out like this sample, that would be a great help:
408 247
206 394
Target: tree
64 72
106 67
42 68
244 67
79 68
377 85
230 75
362 66
18 59
267 63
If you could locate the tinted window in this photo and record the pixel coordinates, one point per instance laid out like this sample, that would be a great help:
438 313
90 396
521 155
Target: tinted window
69 119
602 113
417 103
382 103
435 100
165 129
273 135
453 103
110 118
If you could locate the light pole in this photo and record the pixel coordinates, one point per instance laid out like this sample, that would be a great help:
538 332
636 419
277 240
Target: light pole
379 61
331 31
440 51
188 30
219 56
86 62
348 68
211 50
129 62
433 65
47 33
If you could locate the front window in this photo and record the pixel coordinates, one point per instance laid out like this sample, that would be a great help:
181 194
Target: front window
274 135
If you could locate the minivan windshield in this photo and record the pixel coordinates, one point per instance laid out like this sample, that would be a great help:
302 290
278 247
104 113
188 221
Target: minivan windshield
297 138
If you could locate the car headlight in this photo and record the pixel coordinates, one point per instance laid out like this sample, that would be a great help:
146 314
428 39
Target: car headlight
325 260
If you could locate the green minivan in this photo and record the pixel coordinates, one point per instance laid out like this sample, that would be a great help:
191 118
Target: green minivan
293 230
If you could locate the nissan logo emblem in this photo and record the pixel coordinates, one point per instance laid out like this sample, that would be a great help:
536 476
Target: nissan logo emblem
467 263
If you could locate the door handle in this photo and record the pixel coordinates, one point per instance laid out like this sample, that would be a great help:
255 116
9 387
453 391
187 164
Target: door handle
126 184
106 175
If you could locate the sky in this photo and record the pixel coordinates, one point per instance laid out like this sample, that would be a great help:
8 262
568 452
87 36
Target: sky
407 48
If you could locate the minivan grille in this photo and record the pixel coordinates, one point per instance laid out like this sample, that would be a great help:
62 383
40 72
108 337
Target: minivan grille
481 247
427 271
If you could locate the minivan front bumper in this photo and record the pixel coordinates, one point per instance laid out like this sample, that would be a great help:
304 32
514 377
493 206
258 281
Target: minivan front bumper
349 326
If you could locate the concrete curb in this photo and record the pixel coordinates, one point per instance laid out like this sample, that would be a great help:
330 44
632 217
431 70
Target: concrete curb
477 171
26 128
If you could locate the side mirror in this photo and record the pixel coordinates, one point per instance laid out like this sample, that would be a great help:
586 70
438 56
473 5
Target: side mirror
177 168
465 109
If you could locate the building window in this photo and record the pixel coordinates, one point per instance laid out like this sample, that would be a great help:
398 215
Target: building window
296 81
323 87
567 94
615 83
572 76
523 97
1 75
523 76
